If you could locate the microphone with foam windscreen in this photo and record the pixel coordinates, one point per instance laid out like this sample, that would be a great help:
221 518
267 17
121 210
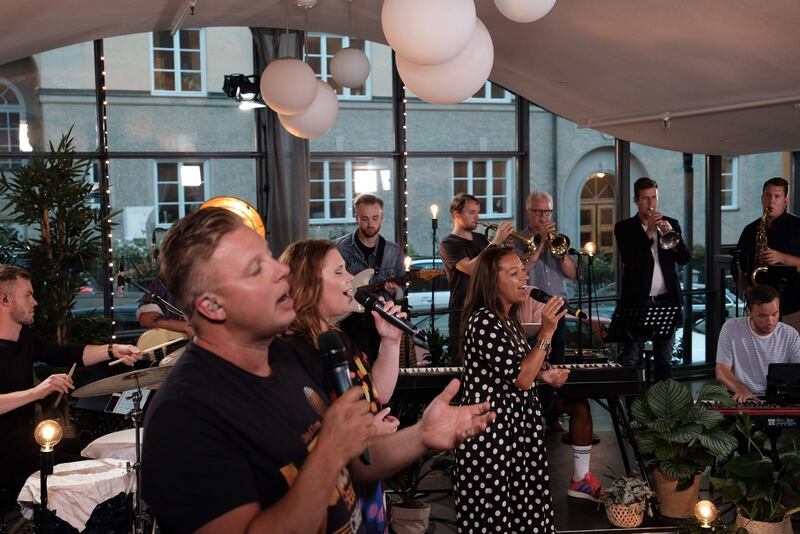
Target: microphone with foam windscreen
121 277
334 360
541 296
371 303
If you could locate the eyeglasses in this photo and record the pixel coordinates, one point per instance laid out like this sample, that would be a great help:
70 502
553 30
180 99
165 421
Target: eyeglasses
541 212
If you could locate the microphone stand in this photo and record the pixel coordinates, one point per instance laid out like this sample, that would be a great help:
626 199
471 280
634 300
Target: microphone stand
590 267
434 227
579 280
153 296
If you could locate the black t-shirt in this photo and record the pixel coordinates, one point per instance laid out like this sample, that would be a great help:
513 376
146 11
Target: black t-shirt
365 250
217 437
783 235
16 374
452 250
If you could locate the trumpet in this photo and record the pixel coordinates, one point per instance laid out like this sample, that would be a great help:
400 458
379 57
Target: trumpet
528 242
559 243
668 239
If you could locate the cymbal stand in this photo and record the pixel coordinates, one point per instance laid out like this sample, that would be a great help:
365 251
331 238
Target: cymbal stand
141 518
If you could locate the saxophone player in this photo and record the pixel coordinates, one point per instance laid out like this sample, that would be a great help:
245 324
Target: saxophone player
770 240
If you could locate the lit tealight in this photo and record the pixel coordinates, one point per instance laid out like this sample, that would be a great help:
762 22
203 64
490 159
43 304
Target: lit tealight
706 513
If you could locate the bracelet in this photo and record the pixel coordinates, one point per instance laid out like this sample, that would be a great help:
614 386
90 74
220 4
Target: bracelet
544 345
110 351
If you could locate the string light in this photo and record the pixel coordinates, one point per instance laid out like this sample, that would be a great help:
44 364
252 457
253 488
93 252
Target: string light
105 181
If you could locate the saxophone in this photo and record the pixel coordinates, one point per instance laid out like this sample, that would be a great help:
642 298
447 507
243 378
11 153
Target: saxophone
761 247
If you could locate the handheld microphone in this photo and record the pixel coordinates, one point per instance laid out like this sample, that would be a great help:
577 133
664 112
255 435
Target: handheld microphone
541 296
121 277
373 304
154 250
334 360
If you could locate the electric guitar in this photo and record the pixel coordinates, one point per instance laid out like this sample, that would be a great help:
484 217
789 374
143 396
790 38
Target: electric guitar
159 343
361 281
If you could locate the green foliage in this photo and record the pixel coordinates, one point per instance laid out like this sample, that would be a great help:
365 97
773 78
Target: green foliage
436 355
51 195
758 481
628 490
718 526
678 432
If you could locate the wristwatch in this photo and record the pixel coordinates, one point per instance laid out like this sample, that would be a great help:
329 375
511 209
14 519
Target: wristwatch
544 345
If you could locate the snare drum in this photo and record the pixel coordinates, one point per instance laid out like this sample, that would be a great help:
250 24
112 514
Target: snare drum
76 488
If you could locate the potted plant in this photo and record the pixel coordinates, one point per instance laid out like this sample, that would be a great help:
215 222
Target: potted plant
758 482
626 500
408 514
683 437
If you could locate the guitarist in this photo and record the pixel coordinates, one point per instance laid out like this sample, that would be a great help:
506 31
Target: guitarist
366 248
151 314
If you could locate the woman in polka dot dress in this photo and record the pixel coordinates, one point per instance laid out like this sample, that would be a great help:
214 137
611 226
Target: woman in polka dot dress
501 481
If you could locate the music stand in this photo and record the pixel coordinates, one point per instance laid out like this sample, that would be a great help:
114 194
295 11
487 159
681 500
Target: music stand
783 384
641 323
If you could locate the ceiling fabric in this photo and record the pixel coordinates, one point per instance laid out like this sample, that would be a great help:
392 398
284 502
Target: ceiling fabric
727 72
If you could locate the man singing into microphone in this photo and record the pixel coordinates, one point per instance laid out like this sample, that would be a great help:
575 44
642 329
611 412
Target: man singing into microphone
549 271
265 451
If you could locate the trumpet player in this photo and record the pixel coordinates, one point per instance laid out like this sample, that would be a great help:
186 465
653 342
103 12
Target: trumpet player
651 248
782 247
459 251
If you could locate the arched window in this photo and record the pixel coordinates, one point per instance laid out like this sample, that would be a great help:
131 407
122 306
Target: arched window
598 212
12 117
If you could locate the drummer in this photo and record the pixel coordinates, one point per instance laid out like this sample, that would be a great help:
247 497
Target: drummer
19 349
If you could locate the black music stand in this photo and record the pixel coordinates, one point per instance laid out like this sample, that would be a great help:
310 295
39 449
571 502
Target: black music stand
783 384
641 323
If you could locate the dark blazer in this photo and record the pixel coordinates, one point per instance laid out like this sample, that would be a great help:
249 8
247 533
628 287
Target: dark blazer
637 262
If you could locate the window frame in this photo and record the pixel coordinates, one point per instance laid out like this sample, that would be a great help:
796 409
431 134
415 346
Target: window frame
487 97
8 109
489 197
349 195
181 200
325 59
176 50
734 189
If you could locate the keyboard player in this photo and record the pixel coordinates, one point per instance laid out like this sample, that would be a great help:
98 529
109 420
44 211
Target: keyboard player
747 345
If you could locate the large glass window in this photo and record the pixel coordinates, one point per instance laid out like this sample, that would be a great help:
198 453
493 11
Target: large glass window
730 183
12 110
489 180
178 62
492 93
180 188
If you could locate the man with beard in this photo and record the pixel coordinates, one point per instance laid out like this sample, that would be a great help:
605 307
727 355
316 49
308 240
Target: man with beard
366 248
747 345
19 349
459 251
265 451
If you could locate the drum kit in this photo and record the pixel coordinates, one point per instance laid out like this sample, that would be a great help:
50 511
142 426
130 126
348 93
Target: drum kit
131 384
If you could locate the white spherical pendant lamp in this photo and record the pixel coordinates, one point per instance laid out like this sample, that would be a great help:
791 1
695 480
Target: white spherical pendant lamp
350 67
524 10
428 32
318 118
288 86
456 80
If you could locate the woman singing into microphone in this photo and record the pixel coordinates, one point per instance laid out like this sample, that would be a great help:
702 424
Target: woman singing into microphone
501 482
322 289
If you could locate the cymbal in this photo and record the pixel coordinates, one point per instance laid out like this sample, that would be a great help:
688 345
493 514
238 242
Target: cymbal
152 376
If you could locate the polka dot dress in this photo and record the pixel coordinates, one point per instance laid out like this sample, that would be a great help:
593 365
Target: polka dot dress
501 482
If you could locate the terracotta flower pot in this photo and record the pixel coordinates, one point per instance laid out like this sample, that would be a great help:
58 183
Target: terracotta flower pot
676 504
410 520
762 527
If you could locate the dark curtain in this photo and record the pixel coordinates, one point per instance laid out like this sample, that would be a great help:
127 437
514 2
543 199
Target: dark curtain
287 159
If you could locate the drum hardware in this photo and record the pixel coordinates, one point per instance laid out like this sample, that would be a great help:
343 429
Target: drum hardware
138 379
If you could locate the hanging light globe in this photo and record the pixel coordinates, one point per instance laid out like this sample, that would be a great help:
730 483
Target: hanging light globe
524 10
318 118
428 32
350 67
288 86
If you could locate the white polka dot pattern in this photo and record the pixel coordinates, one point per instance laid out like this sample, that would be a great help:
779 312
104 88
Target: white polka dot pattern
500 479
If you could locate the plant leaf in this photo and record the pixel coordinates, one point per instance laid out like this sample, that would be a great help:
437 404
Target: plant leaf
669 399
